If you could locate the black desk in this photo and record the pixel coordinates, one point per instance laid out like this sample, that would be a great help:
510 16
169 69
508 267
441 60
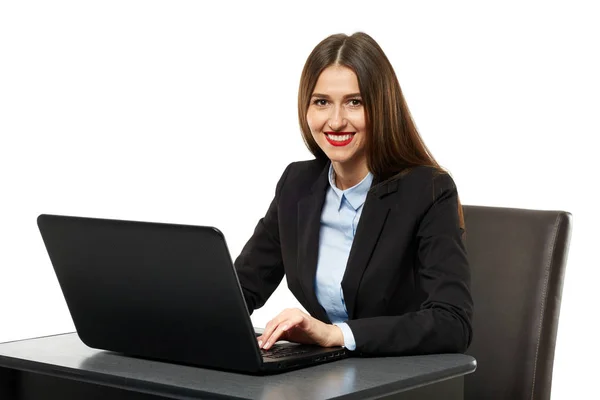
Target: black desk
62 367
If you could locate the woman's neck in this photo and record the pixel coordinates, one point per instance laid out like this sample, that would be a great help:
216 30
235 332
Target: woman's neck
348 176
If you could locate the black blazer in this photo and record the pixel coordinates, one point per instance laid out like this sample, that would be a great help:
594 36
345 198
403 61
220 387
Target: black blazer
406 285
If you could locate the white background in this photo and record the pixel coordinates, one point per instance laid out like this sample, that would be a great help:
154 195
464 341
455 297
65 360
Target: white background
185 112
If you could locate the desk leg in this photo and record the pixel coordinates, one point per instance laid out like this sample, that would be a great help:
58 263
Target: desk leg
450 389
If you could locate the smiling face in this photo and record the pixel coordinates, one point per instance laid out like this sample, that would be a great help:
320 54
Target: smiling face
336 117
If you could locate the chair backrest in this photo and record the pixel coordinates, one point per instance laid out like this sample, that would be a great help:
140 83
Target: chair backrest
517 260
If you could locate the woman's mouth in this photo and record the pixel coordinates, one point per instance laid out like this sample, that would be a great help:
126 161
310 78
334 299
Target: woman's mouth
339 138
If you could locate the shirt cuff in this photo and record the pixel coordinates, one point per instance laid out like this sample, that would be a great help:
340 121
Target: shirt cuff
349 342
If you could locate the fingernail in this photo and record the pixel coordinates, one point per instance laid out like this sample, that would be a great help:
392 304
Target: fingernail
259 343
284 328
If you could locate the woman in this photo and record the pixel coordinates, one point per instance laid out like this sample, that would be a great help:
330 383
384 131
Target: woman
398 281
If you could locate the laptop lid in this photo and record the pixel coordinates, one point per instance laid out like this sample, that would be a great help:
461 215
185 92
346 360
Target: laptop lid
162 291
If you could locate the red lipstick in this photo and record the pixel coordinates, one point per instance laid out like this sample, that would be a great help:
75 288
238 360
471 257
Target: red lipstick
337 138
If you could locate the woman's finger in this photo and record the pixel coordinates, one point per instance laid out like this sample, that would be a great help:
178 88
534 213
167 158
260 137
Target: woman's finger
274 335
284 321
281 329
269 329
275 331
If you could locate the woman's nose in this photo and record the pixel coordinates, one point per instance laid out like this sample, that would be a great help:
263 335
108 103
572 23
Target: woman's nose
337 119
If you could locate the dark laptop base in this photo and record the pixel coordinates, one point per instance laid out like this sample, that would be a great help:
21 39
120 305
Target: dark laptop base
314 356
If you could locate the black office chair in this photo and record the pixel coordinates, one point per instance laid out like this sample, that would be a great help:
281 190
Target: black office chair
518 260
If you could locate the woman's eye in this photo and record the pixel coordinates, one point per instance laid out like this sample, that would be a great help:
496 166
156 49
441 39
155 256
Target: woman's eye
324 102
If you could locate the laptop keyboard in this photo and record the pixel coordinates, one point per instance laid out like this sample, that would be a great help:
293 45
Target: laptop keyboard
281 350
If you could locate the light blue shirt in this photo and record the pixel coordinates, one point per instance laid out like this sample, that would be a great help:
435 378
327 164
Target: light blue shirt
339 219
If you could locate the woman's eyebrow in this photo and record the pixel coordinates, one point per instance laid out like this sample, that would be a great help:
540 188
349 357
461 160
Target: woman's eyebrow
327 96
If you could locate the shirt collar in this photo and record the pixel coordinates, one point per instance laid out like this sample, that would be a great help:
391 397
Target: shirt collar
356 195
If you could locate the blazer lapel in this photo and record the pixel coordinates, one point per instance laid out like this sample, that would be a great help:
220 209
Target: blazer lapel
309 227
369 228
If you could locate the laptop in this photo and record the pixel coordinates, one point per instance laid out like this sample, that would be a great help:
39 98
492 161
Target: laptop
164 292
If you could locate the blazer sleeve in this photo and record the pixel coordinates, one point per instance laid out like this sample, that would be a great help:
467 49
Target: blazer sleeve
260 264
442 324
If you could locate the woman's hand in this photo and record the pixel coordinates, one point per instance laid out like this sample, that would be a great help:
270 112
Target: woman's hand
296 326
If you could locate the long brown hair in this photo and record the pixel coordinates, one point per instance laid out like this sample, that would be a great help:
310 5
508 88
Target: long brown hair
393 144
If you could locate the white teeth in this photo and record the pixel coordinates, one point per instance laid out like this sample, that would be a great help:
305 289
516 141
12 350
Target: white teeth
339 138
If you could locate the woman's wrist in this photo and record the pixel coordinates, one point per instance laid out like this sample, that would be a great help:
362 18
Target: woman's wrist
336 336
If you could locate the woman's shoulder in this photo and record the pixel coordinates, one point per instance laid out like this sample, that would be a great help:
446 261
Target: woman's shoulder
305 171
315 165
299 177
423 176
418 188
